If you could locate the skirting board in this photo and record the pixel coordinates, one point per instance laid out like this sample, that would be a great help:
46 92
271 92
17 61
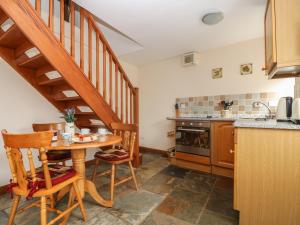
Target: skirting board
155 151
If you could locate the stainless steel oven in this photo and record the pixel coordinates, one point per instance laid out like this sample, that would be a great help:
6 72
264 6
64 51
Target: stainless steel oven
193 137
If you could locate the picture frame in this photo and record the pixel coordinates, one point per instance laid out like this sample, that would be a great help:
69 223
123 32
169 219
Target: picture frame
246 69
217 73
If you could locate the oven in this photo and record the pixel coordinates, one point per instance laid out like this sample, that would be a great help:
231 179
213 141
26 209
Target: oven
193 137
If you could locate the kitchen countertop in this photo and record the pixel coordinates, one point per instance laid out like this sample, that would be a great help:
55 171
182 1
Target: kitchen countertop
201 119
269 124
244 123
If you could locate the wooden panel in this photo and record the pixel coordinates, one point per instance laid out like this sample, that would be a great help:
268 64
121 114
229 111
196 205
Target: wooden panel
287 32
191 165
97 64
268 176
221 171
82 39
90 48
110 80
223 144
193 158
270 37
72 12
50 18
62 22
104 72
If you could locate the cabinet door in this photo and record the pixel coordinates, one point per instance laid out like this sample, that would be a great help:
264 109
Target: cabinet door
270 41
223 144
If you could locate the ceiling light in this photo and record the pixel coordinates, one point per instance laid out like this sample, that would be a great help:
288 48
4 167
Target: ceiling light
213 18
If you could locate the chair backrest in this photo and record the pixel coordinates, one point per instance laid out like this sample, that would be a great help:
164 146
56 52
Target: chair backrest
48 126
128 134
13 143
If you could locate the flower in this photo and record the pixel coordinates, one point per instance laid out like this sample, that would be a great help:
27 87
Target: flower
69 115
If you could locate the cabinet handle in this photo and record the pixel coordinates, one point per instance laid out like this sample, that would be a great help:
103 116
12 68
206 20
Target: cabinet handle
231 151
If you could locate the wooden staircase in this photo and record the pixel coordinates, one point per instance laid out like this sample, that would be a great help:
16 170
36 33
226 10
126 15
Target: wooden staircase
73 66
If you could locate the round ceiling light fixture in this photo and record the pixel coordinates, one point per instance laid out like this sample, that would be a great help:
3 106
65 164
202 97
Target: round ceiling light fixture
213 18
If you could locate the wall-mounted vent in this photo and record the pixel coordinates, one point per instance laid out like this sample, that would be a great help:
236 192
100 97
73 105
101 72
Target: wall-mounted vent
191 58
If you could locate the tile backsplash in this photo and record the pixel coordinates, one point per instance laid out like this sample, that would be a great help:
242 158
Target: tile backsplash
242 104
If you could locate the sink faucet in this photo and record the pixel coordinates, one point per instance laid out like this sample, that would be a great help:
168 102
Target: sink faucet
256 104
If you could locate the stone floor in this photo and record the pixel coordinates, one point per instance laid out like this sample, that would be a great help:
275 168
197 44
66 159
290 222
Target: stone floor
168 196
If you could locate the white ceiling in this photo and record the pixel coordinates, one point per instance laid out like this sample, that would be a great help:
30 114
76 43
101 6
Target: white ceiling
166 28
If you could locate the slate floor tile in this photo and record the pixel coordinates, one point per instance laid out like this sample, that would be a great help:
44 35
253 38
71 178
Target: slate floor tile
149 157
3 218
225 184
157 218
184 205
136 206
175 171
211 218
197 182
161 183
222 202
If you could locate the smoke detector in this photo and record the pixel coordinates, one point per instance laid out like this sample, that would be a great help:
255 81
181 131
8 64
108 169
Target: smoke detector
213 17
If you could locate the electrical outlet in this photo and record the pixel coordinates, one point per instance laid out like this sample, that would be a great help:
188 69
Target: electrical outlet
171 133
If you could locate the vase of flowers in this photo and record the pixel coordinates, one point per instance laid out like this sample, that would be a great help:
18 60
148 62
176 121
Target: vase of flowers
225 112
69 116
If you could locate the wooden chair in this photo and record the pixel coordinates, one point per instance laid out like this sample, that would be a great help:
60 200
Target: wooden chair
39 182
120 154
53 156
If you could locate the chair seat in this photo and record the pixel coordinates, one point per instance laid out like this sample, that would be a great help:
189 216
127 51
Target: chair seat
112 155
58 174
58 155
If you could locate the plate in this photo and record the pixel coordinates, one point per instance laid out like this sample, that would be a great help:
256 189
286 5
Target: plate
86 139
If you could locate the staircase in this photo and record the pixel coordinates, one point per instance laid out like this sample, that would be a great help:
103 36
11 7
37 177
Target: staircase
58 48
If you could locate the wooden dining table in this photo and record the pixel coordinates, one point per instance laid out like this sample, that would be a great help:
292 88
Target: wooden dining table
78 154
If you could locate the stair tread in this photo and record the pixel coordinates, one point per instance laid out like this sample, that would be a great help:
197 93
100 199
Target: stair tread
35 62
52 81
12 38
68 98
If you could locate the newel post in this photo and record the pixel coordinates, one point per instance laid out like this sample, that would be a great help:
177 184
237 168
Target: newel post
136 161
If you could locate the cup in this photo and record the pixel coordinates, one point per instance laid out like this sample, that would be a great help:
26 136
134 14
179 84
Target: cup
85 131
66 136
102 131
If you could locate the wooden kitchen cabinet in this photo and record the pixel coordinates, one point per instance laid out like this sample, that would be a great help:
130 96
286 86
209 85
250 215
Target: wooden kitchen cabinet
282 48
222 140
267 178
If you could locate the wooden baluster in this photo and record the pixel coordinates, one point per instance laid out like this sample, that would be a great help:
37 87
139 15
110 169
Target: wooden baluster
72 29
90 47
126 85
97 64
62 22
104 71
82 38
50 18
38 6
136 121
122 99
131 106
110 79
116 87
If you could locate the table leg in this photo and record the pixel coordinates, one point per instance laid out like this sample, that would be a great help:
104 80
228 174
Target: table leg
78 158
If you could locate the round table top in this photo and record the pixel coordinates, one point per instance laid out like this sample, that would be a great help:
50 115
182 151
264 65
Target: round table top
102 141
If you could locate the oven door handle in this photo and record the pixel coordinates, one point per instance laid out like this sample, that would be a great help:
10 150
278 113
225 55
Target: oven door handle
193 130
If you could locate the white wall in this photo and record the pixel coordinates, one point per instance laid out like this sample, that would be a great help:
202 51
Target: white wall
161 82
21 105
